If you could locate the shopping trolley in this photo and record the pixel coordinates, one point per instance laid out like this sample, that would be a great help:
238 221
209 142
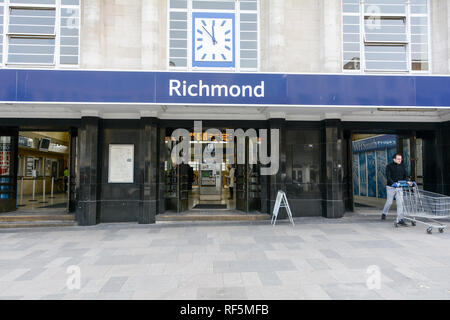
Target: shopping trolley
425 207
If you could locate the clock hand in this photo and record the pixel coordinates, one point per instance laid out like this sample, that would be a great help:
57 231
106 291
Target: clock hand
208 33
214 38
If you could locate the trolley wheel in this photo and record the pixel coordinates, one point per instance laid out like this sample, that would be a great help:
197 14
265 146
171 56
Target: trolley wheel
441 230
413 223
429 230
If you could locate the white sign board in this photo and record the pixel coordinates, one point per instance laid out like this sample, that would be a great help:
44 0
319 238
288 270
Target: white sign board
281 202
121 163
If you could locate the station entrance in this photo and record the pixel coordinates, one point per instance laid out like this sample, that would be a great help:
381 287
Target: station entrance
372 152
211 186
37 171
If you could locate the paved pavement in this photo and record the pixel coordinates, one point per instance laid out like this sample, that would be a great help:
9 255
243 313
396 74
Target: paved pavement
316 259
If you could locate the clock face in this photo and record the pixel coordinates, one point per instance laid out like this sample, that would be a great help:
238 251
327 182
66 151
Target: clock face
213 39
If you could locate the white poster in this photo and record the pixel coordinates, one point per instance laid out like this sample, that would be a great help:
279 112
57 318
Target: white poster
121 163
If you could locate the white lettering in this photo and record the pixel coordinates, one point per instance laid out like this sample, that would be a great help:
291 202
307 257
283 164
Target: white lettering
172 87
219 90
237 91
192 94
183 89
248 89
203 86
260 88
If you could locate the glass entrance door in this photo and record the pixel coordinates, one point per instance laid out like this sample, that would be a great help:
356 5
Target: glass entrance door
8 170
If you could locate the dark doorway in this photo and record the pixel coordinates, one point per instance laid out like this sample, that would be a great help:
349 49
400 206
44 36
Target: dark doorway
368 157
205 186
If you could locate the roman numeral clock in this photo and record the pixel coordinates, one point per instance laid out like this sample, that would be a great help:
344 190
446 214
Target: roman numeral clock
213 40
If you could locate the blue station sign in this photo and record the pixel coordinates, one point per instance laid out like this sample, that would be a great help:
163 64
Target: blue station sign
204 88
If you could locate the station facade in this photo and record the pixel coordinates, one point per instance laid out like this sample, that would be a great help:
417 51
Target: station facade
121 78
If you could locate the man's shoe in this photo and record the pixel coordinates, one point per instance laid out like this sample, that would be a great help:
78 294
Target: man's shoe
402 223
383 216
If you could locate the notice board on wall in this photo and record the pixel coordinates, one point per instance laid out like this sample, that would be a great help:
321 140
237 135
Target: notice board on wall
121 163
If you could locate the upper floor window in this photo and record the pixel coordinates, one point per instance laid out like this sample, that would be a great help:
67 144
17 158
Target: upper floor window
214 34
39 32
386 35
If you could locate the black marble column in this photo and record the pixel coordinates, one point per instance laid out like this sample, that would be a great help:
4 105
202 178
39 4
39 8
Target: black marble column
332 169
149 170
348 171
443 161
89 160
277 181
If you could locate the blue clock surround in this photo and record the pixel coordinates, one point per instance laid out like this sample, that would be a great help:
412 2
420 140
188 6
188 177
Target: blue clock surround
212 64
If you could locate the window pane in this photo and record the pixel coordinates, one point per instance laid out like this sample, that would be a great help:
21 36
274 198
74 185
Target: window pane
69 59
249 64
174 4
178 16
376 7
248 5
45 59
178 53
31 50
385 30
220 5
351 35
174 62
70 28
1 33
32 21
249 44
249 54
386 57
249 36
33 1
178 44
70 2
419 35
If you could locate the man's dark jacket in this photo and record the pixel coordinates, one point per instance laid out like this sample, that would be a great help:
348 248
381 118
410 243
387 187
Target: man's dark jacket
394 173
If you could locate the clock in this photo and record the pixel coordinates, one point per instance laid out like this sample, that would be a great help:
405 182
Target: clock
213 41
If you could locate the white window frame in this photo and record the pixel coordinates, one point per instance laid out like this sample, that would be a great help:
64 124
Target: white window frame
429 43
362 16
7 5
2 5
70 66
353 14
237 12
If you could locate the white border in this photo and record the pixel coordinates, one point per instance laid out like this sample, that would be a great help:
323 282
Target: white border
130 146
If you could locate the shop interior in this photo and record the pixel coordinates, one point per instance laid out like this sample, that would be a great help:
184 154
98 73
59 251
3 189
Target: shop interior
196 186
43 162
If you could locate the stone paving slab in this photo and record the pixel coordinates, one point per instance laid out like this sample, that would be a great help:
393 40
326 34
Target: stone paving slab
317 259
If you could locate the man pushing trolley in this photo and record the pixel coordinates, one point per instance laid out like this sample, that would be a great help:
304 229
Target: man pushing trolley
395 172
413 204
